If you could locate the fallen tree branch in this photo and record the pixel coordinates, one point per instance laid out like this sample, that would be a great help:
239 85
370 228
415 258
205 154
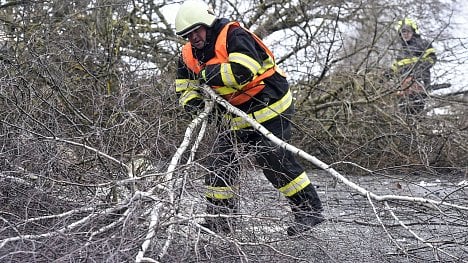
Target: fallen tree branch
64 230
98 152
362 191
422 240
169 187
383 226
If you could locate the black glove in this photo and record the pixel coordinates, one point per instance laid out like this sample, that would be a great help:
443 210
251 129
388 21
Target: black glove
194 106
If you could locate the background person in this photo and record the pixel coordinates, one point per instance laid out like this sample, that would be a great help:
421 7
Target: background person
413 65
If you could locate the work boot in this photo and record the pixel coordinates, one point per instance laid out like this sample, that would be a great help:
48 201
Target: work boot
220 224
307 209
304 222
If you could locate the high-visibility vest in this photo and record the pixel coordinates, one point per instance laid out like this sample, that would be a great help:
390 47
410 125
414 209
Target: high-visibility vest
231 94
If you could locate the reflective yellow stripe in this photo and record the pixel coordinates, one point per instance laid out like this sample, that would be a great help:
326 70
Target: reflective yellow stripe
217 192
407 61
267 64
429 59
188 96
428 52
426 56
245 61
264 114
186 84
295 185
225 90
404 62
227 76
188 90
413 60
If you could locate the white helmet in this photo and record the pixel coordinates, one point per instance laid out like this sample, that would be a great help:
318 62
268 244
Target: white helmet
191 15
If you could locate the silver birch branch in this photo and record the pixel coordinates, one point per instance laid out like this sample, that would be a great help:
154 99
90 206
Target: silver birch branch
422 240
64 230
362 191
169 187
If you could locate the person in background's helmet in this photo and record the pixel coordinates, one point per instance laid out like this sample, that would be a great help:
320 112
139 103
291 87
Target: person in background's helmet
407 24
239 66
413 65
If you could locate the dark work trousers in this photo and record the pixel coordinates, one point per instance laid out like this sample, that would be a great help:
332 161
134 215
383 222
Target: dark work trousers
279 165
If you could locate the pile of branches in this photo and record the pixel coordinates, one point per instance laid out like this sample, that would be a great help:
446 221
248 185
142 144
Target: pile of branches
359 118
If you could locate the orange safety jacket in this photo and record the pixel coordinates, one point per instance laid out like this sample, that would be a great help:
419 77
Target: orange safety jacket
234 96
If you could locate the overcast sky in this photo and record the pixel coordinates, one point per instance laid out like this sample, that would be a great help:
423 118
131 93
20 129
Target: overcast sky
462 20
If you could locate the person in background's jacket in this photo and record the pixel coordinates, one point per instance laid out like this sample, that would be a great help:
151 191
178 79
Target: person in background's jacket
238 66
413 66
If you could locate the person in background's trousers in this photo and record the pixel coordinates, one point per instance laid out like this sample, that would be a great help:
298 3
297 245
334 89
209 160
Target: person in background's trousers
239 66
413 65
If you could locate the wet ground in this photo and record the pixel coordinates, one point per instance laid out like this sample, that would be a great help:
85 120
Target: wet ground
357 229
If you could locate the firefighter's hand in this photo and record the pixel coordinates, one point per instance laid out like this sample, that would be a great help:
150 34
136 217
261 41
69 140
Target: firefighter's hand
194 106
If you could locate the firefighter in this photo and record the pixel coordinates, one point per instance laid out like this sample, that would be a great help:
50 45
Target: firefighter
239 66
413 65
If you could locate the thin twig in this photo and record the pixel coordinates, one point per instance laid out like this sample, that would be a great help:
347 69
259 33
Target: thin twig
420 238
